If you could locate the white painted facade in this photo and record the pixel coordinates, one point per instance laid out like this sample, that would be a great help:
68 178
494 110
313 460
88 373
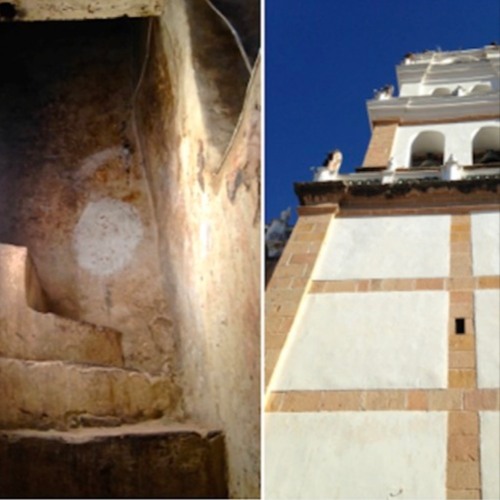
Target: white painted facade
385 247
379 340
449 107
356 455
446 93
423 74
487 315
458 140
451 95
490 454
485 243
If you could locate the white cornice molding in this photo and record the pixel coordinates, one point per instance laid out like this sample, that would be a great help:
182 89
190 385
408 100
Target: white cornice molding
435 108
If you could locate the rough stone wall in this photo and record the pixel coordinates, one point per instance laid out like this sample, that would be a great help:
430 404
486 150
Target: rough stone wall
73 188
130 169
204 179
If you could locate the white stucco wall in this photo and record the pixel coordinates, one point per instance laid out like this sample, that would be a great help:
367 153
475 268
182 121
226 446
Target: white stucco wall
486 243
385 247
426 89
369 455
366 341
487 317
422 77
490 454
458 140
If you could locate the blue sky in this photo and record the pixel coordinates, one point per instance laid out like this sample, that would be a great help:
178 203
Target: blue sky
323 58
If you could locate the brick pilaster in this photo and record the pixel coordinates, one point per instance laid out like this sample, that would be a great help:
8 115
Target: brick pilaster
463 459
379 149
290 281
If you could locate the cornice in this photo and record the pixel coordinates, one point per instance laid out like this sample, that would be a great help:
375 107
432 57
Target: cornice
476 194
434 108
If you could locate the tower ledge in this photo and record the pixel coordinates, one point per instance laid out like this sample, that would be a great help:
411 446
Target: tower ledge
434 195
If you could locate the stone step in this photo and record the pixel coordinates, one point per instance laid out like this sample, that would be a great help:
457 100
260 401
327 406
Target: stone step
26 333
59 395
47 337
148 460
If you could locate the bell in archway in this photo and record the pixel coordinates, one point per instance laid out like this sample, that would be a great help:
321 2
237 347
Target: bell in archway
491 156
431 160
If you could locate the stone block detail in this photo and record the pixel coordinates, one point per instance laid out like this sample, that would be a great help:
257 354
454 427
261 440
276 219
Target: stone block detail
53 394
29 10
30 334
149 460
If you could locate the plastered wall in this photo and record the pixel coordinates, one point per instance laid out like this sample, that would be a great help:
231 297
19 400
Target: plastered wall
133 150
485 243
356 455
204 174
367 341
490 454
340 320
385 247
487 314
73 187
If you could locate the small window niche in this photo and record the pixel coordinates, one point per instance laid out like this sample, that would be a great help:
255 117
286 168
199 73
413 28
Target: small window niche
459 326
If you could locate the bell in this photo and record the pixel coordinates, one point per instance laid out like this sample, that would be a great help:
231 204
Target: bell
430 161
490 156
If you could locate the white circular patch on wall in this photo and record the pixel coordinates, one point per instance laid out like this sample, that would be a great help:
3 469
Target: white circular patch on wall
106 236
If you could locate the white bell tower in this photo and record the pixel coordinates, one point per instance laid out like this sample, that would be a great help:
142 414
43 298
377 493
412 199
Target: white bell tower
445 119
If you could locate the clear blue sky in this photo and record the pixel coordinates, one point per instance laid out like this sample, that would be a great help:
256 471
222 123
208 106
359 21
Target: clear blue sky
323 58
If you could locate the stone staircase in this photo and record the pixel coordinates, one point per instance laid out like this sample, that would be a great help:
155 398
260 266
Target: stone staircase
74 421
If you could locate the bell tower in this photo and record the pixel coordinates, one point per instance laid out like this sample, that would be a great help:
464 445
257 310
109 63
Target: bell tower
446 113
382 317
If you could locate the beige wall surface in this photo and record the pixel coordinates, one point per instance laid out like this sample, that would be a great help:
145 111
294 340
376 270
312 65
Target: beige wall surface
202 162
133 147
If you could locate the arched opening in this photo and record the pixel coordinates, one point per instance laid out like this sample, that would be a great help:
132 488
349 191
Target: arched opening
480 88
427 150
486 146
441 91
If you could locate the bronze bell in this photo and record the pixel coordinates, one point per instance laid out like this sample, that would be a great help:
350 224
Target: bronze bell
491 156
430 161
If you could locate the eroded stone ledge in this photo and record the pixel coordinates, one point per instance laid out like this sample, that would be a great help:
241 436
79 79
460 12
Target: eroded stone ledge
56 10
53 394
147 460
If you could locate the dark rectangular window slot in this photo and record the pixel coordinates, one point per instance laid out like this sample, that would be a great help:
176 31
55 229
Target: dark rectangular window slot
460 326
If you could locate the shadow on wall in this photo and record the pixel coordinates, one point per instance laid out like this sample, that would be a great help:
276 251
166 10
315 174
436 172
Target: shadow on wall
130 169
